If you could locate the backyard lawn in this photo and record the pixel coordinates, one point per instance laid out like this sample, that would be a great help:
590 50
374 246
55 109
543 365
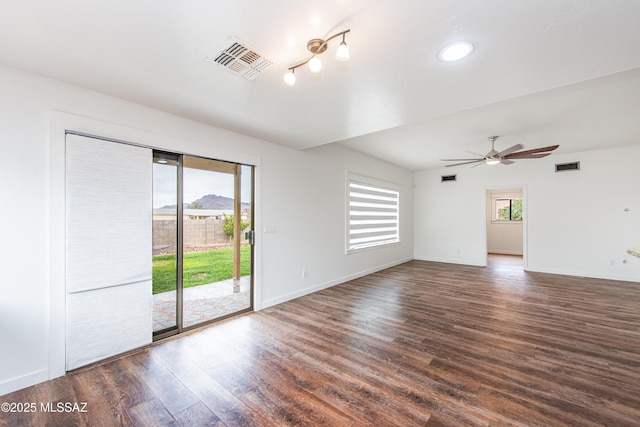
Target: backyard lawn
199 268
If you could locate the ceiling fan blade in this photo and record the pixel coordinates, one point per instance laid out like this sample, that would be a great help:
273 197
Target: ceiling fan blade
519 154
530 156
466 163
476 154
506 161
460 160
510 150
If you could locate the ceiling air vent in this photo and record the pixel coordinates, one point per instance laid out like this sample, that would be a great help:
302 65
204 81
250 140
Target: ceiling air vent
448 178
573 166
242 60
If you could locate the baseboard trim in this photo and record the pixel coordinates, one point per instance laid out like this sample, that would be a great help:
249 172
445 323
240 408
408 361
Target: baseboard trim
589 275
293 295
453 261
506 253
23 381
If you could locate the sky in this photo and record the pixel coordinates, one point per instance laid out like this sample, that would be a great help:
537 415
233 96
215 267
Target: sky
197 183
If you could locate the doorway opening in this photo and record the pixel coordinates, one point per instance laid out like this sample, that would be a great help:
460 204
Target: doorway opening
202 241
506 226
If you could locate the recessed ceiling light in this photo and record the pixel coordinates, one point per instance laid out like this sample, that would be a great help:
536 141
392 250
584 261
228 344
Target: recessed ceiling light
455 51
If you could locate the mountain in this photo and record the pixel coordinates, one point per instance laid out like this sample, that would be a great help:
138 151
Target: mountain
212 201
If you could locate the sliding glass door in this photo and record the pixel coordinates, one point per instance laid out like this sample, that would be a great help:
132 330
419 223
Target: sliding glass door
165 242
202 241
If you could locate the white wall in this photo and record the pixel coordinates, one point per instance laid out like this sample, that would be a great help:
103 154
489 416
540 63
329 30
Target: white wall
503 237
310 216
578 223
299 194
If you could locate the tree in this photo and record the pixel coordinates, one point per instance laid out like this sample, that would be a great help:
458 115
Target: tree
196 204
516 209
227 227
509 209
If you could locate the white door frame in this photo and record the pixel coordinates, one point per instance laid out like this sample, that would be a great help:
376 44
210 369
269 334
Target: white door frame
61 122
525 214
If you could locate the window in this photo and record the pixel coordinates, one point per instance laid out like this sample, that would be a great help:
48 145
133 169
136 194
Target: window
372 215
508 209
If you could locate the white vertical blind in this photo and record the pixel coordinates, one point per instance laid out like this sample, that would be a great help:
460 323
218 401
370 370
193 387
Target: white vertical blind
373 215
109 241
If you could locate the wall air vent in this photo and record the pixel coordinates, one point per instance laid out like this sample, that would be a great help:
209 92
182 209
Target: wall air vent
242 60
573 166
448 178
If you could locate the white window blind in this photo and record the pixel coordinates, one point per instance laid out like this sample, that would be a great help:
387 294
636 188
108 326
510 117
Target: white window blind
109 240
373 215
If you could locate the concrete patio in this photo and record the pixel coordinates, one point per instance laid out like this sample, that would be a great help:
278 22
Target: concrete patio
201 303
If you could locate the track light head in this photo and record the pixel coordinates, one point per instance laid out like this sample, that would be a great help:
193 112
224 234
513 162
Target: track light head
315 65
290 78
342 54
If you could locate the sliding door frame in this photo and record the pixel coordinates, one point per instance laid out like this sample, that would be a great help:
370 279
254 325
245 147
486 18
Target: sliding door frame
237 184
145 133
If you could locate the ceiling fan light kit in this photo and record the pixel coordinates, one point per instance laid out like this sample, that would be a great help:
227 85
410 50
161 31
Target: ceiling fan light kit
505 157
316 47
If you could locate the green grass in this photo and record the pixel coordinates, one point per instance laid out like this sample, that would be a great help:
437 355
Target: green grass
199 268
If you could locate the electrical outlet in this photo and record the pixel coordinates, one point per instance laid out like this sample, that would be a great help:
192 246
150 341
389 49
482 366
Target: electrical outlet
305 274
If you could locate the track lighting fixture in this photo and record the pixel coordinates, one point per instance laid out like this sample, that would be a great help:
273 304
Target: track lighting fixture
316 47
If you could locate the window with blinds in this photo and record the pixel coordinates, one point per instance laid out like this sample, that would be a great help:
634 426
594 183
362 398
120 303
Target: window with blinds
373 215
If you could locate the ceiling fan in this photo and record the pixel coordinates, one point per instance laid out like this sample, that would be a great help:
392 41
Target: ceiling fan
505 157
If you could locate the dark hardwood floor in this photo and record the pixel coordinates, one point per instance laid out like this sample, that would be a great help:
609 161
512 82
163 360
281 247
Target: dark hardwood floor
418 344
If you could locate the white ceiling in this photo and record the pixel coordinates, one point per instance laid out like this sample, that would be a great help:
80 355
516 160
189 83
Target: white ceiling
543 72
